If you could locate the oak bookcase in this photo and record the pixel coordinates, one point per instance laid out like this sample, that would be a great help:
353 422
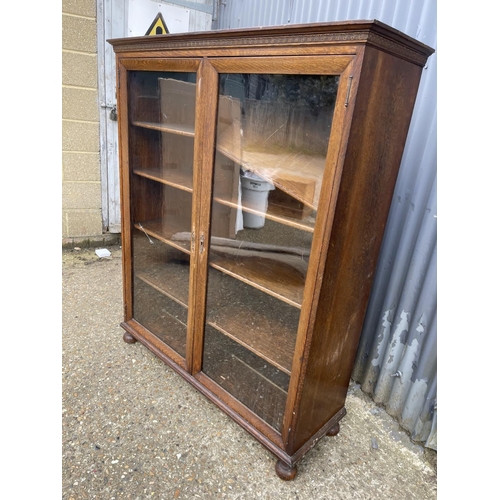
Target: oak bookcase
257 169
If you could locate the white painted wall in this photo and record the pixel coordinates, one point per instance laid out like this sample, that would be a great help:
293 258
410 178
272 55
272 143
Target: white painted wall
141 13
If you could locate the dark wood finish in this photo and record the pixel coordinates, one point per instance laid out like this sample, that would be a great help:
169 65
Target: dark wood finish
128 338
283 376
328 196
284 471
126 226
334 430
368 177
339 38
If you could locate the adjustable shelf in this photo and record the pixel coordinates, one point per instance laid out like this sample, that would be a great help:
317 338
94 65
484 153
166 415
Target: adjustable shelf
178 179
282 276
160 230
268 324
179 129
274 213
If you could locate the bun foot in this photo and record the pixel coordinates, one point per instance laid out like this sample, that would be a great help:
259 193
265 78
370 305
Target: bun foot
334 430
129 339
285 472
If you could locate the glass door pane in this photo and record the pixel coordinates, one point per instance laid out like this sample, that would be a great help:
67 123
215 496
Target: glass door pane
272 138
161 137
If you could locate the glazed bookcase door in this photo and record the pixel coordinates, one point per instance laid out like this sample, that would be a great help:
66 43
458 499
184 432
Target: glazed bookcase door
161 131
272 139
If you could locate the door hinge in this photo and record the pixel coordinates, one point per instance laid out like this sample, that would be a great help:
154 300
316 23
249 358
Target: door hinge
348 92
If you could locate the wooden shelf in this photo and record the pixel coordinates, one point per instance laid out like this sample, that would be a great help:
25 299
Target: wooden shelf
272 213
231 309
157 230
270 334
169 280
170 177
162 267
255 382
262 324
172 128
276 270
282 276
163 319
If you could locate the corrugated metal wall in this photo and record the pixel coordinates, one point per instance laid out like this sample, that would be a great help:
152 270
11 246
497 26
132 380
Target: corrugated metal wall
397 360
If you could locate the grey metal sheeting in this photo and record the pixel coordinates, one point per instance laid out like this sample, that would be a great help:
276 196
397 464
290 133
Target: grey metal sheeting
397 360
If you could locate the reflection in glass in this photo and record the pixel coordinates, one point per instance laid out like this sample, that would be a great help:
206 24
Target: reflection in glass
272 138
252 380
161 136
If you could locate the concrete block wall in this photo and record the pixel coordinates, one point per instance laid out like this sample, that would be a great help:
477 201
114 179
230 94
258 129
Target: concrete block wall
81 176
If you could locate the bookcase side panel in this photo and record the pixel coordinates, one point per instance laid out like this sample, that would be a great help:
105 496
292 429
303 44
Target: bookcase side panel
383 108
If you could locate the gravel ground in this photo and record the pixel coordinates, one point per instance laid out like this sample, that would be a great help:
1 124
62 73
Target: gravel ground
133 429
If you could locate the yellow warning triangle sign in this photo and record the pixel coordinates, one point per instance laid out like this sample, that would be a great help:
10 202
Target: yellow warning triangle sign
158 26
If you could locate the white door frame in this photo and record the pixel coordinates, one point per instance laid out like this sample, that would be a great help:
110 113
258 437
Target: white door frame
111 23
